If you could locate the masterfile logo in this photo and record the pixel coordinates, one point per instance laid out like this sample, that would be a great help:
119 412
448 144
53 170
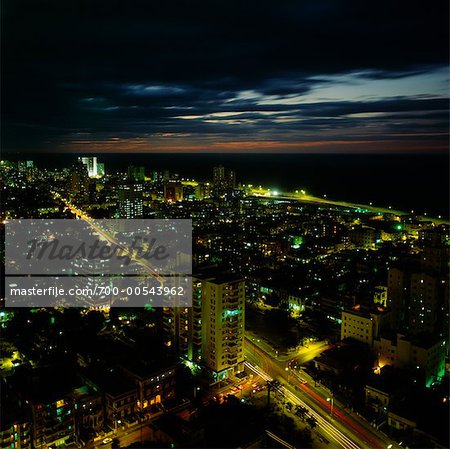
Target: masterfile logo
102 262
123 247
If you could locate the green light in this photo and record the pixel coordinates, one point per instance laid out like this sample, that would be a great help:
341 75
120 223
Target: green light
297 241
399 227
231 312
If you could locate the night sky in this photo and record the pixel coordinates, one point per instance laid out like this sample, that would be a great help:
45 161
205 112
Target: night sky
240 76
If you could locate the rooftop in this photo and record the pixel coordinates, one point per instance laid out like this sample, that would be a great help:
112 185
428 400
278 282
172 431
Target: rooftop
390 380
367 311
216 275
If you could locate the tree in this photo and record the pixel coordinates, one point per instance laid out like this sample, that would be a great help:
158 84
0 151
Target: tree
301 412
312 422
272 385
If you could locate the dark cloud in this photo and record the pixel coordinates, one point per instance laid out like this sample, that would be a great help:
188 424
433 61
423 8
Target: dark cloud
132 68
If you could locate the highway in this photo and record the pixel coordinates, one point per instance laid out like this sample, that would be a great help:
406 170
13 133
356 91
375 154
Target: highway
109 238
301 197
344 429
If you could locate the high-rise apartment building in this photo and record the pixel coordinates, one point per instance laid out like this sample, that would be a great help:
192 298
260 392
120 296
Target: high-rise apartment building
223 320
418 288
211 332
218 174
130 198
136 174
91 165
231 179
80 183
224 181
100 169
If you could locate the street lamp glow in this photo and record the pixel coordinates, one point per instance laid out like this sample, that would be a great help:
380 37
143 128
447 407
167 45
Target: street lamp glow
303 192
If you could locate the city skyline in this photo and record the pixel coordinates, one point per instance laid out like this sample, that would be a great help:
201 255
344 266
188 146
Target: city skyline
314 322
224 224
296 78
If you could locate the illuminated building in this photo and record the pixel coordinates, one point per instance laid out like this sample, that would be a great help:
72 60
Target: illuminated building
121 398
53 421
212 330
100 169
231 179
130 198
223 315
173 191
363 324
364 237
15 432
136 173
202 190
419 299
183 331
88 409
91 165
423 355
223 181
80 183
418 287
153 387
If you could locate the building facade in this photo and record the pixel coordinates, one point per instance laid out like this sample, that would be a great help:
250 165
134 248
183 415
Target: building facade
364 324
211 332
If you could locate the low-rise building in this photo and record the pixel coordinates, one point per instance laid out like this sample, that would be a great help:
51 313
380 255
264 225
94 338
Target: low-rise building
15 431
384 387
89 411
153 387
364 237
422 354
364 324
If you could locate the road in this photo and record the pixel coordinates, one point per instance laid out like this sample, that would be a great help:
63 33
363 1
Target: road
344 429
141 432
106 235
267 193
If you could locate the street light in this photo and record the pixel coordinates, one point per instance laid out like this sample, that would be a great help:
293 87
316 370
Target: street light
289 374
331 401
